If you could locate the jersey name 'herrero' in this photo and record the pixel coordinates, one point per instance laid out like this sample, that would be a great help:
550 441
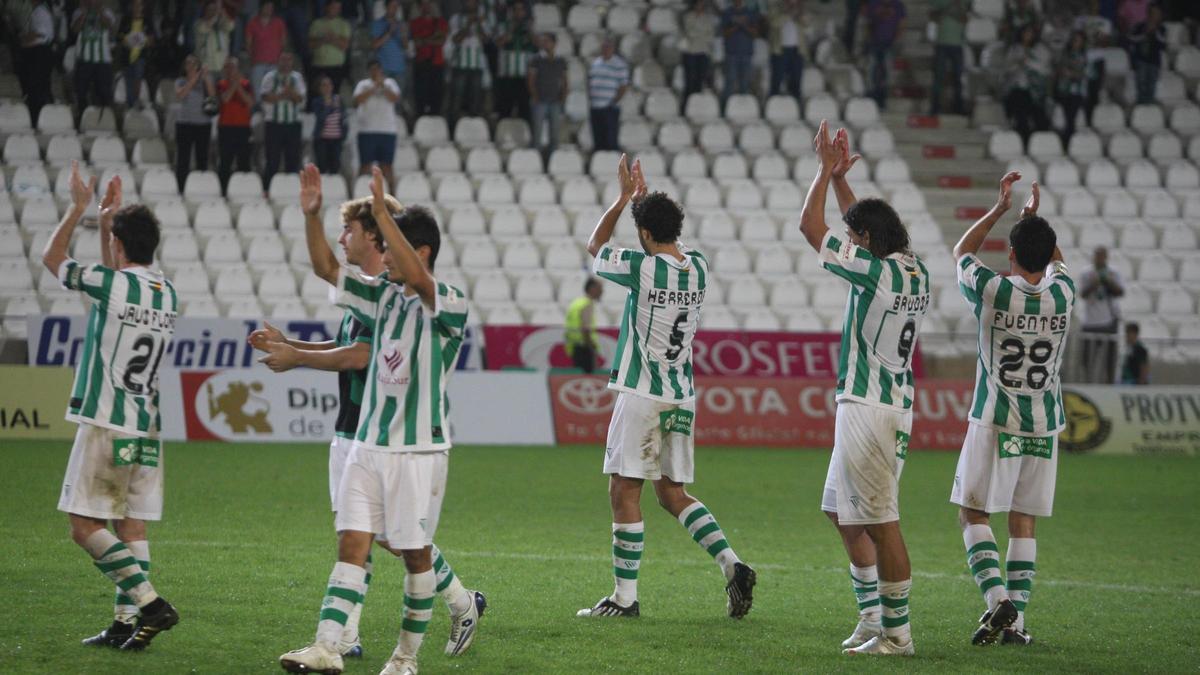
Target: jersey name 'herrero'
1022 331
888 300
662 313
130 323
413 351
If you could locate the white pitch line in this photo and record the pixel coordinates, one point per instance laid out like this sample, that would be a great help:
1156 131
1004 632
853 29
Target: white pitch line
699 562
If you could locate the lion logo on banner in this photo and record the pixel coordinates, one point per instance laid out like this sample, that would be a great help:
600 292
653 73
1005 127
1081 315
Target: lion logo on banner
232 404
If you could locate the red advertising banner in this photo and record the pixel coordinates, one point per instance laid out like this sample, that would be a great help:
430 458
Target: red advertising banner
715 353
762 412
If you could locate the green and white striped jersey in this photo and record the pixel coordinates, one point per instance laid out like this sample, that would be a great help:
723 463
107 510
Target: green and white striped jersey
282 111
1022 332
94 43
468 54
888 300
662 313
413 351
131 321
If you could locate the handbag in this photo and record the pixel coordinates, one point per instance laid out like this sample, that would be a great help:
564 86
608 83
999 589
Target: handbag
210 106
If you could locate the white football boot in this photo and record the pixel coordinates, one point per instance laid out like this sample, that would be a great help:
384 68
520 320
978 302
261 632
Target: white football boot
315 658
863 632
400 665
880 645
463 626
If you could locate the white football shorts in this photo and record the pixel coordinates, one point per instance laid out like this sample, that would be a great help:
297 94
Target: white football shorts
113 475
651 439
339 452
396 495
999 472
870 444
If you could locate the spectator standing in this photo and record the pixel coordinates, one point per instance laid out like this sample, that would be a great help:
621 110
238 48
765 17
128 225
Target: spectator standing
885 23
515 40
700 29
329 133
951 19
1018 15
608 79
135 38
389 40
428 30
1099 31
193 127
547 82
1135 365
1071 81
1100 288
37 59
296 16
213 30
786 26
850 27
329 38
469 30
94 26
265 37
581 341
1027 73
375 99
739 28
236 96
1147 42
282 93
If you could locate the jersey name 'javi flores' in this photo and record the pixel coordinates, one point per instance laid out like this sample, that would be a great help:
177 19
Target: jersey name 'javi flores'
146 316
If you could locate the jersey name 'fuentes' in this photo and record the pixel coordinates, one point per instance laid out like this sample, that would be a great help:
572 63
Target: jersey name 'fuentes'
662 313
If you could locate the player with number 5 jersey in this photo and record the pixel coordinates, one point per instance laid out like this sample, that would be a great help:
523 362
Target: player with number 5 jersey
115 473
1009 459
651 434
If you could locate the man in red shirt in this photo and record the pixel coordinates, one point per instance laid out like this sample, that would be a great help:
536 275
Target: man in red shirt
265 36
428 31
236 96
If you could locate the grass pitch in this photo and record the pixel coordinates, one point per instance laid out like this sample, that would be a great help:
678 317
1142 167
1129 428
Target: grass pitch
247 545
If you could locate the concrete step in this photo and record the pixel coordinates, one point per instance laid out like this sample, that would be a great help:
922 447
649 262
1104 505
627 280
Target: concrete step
897 120
939 135
945 154
957 176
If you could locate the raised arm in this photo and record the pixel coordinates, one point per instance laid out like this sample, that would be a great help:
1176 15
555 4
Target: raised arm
973 238
841 187
109 205
324 262
412 270
604 229
58 245
812 217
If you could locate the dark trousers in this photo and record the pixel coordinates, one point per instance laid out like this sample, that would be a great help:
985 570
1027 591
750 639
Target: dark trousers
328 153
282 142
1071 103
947 57
512 97
1146 76
428 85
695 73
335 73
584 358
33 72
93 84
190 138
787 68
1099 354
850 28
466 92
880 56
1027 115
605 123
1095 85
233 144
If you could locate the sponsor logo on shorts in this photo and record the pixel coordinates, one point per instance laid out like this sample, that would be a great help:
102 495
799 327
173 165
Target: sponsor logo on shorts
129 451
1033 446
902 439
676 421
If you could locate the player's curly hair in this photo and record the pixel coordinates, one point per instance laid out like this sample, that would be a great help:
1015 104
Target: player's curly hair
420 228
659 215
878 219
1033 242
360 210
137 229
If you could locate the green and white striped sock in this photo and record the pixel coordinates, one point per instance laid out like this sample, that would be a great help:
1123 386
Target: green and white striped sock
866 590
894 598
449 586
418 609
705 531
628 540
350 632
345 589
124 609
1019 569
114 559
983 557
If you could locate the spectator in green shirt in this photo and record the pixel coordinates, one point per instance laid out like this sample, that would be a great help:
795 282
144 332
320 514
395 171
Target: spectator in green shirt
329 38
951 18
